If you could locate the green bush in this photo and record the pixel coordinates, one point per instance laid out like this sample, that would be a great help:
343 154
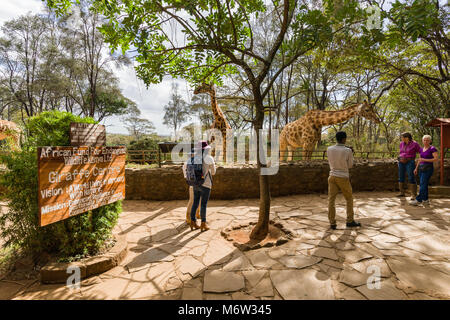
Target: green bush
149 143
81 235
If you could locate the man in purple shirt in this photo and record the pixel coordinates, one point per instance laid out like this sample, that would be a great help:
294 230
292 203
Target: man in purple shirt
406 162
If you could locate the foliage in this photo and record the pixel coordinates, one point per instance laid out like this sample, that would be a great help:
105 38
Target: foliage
149 143
176 111
137 126
118 139
81 235
49 62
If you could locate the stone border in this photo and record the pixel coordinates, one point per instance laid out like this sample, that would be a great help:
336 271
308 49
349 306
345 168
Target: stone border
439 191
287 235
56 272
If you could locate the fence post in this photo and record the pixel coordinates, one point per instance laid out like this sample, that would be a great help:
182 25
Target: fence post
159 157
323 155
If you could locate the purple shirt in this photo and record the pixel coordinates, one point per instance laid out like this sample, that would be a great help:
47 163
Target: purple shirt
409 150
428 154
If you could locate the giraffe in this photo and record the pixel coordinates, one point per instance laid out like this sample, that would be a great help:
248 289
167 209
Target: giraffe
305 131
220 121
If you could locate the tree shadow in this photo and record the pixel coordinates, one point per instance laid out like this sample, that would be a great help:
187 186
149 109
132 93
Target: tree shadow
164 209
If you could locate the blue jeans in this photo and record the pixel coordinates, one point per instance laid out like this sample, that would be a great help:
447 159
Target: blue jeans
409 168
203 194
424 179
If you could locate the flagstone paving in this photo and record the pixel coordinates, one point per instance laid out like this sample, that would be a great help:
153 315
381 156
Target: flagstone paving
407 247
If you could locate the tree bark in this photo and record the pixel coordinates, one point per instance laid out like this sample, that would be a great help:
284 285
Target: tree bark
261 229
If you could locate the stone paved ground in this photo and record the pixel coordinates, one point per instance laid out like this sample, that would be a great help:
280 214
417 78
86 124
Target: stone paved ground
409 246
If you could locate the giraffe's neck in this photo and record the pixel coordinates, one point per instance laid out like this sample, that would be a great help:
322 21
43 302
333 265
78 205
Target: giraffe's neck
326 118
218 114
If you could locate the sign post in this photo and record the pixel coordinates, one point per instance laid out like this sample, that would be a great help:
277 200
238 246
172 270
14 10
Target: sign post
73 180
87 134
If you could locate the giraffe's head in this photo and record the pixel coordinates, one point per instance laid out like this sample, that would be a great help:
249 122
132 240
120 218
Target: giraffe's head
204 88
367 111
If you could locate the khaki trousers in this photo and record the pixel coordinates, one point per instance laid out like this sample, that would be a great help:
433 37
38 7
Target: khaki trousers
336 184
189 206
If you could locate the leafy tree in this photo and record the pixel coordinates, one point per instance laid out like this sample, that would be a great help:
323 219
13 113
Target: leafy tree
50 63
20 54
137 127
148 143
201 105
218 41
176 111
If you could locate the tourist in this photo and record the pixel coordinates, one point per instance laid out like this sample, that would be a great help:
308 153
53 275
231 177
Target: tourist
189 205
203 191
406 162
191 196
428 155
340 159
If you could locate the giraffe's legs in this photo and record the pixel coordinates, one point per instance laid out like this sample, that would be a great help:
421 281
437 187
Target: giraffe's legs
307 151
290 152
283 146
224 147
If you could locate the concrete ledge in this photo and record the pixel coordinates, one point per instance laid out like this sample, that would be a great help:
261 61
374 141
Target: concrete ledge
439 191
56 272
242 181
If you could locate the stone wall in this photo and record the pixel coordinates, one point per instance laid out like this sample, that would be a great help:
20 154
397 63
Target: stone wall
167 183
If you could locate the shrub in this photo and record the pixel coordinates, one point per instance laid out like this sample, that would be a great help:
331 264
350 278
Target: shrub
80 235
149 143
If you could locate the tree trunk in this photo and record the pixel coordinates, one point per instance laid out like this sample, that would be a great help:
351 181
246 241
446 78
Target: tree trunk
261 229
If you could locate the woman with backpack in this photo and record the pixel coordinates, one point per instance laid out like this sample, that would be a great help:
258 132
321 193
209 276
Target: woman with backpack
198 172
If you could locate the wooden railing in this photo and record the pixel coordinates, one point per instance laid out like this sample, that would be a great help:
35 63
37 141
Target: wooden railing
159 158
154 156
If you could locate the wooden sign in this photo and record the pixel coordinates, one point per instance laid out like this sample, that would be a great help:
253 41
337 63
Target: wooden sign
73 180
87 134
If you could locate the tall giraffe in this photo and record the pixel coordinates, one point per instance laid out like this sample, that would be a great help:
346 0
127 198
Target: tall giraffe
305 131
220 121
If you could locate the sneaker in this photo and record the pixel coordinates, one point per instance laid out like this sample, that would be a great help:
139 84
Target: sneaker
426 201
414 202
353 224
333 226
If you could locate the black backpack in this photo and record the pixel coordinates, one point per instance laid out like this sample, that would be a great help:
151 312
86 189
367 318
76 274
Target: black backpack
194 171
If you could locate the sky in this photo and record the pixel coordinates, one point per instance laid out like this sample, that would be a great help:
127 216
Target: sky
150 101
